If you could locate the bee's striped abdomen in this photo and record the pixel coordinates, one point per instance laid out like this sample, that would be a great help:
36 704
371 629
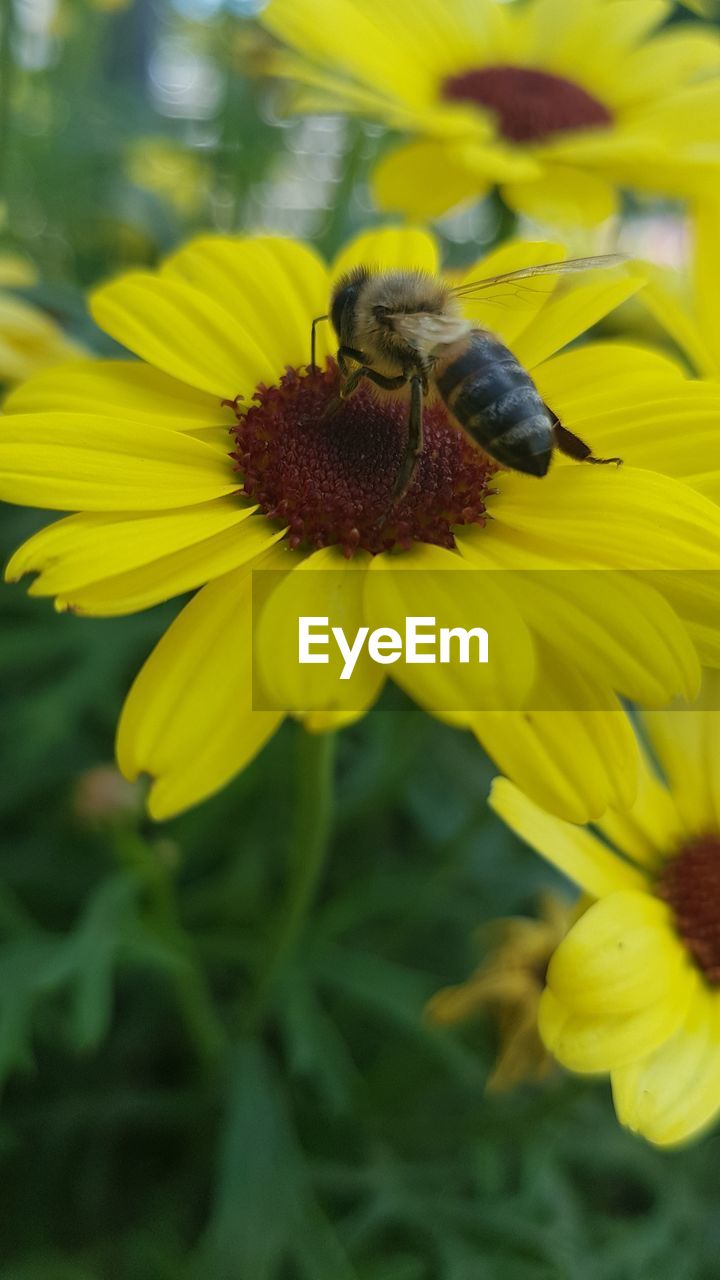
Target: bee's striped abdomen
498 404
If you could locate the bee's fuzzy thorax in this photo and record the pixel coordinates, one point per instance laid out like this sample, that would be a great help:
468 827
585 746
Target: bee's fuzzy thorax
382 295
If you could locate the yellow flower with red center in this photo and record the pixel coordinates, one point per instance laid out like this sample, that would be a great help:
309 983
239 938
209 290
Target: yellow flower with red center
634 989
175 489
559 105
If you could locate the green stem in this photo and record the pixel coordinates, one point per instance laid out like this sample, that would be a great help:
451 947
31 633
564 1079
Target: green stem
193 995
340 223
313 824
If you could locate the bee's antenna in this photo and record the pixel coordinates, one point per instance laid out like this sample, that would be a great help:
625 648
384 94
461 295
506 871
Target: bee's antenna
315 322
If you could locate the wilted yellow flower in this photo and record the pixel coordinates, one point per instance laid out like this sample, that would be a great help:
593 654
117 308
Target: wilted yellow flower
558 104
177 489
508 986
634 989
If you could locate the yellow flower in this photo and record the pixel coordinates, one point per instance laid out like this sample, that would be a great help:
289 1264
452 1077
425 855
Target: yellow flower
29 339
558 104
634 989
174 488
170 171
509 984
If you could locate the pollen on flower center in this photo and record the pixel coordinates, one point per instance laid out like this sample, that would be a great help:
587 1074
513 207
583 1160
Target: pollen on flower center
529 104
327 468
690 884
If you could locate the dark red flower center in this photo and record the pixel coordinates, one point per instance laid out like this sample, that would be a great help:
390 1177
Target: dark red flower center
529 105
327 468
690 884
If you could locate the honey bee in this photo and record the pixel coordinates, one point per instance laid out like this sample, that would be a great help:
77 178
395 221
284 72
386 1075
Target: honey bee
407 327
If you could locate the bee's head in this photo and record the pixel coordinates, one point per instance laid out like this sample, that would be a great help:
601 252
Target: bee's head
343 303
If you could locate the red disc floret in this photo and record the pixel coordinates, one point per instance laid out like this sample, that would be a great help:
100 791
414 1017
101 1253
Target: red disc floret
529 105
327 467
690 884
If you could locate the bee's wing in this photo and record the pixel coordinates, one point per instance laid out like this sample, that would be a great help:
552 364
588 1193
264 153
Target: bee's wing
426 330
567 267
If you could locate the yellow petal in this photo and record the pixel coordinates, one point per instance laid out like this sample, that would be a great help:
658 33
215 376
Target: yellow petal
696 600
395 248
182 331
572 750
706 277
91 463
325 585
620 956
674 1093
563 196
272 286
614 627
686 746
572 381
91 547
134 391
652 827
620 518
188 720
670 59
171 574
508 309
644 432
424 179
566 40
573 310
688 115
593 1043
665 296
353 36
572 849
440 588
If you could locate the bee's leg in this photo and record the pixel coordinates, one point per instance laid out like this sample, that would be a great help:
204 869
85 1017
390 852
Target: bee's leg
574 447
315 323
415 439
350 384
349 353
380 380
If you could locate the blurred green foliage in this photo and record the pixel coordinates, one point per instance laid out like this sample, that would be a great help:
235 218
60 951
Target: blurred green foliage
178 1103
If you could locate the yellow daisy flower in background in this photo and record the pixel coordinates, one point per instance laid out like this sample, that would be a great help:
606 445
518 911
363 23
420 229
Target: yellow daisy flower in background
634 989
508 985
557 104
176 488
29 339
172 172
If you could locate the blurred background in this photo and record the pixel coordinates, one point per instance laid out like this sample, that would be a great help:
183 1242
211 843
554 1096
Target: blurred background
159 1119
